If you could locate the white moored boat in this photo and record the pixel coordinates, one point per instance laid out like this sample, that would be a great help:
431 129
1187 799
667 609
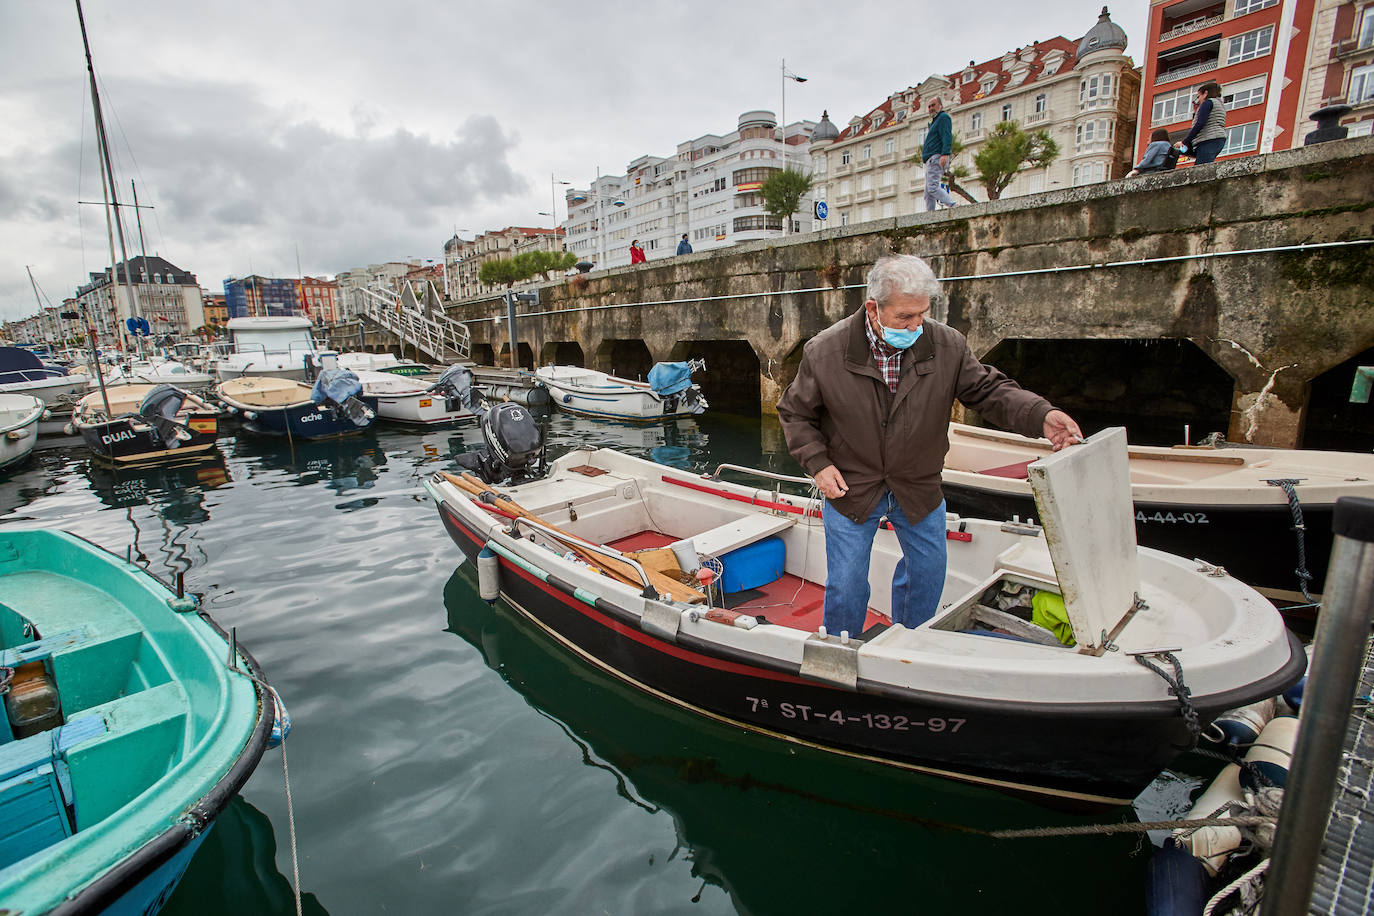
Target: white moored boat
1225 505
669 393
1043 672
19 416
22 372
278 346
413 400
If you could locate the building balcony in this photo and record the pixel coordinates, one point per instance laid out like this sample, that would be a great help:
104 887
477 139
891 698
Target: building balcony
1192 25
843 168
1039 117
863 197
864 165
1183 73
887 190
1351 47
975 136
842 200
888 157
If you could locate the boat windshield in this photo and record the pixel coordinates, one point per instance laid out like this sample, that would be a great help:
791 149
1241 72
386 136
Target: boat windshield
273 341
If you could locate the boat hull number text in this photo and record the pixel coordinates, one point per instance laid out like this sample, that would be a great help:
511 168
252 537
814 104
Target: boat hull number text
1170 518
874 720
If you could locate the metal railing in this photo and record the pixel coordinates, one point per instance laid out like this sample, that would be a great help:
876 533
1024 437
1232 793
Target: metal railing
1205 66
1191 25
432 332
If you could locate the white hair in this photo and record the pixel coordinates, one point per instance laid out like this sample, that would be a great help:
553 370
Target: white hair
902 274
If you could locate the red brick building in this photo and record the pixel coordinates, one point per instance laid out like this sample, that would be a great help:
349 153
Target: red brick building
1257 50
319 300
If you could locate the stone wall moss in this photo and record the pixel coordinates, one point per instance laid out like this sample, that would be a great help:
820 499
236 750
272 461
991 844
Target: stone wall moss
1328 267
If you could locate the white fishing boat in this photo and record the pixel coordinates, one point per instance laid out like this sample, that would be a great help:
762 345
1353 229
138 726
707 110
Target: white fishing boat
22 372
385 362
19 416
277 346
413 400
668 393
1045 671
1227 505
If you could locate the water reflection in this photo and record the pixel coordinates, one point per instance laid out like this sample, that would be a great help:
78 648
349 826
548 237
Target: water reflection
174 489
853 836
349 463
240 844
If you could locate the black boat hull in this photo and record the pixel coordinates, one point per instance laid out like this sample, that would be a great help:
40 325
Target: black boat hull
1243 539
124 440
1082 755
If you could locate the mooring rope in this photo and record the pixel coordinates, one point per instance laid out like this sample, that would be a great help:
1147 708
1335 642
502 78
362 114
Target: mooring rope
1289 487
1251 820
1178 688
291 823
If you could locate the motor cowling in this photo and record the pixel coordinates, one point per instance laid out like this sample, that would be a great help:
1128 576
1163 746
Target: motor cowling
159 409
513 446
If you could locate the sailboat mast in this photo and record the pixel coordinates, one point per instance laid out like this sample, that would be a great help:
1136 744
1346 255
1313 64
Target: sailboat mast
107 177
37 298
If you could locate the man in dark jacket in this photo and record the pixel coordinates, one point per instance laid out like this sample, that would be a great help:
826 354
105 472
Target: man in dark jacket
868 415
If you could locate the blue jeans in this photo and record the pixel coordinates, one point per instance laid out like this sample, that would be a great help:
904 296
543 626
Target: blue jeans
920 574
934 193
1207 150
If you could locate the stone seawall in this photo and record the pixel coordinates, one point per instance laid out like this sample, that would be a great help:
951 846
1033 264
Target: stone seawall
1263 263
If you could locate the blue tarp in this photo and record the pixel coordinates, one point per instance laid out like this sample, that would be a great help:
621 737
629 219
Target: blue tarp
670 378
334 386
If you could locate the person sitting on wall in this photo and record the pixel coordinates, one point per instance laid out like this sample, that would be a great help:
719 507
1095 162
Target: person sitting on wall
1156 154
636 253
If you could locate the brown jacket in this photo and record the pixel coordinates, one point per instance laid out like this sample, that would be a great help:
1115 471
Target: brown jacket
838 410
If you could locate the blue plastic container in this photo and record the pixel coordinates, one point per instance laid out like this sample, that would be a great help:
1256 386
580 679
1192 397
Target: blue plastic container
755 565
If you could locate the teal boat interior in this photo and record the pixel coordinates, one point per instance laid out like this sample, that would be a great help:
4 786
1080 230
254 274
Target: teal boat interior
125 727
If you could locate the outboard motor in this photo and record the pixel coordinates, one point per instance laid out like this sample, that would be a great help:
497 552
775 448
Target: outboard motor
514 447
455 384
339 389
672 382
159 410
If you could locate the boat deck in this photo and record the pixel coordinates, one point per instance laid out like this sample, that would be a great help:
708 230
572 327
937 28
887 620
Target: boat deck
789 601
1345 871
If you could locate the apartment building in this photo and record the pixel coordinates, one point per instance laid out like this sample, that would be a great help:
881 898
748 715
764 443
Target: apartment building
708 190
257 297
319 299
349 284
164 294
463 260
1084 93
1257 50
1341 65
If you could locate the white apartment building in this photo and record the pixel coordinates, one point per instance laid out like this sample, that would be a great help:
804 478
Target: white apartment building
166 296
709 190
1084 93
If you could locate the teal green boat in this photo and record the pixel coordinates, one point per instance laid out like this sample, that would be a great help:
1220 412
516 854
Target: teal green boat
129 724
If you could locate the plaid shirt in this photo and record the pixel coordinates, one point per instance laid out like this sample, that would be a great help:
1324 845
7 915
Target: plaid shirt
889 359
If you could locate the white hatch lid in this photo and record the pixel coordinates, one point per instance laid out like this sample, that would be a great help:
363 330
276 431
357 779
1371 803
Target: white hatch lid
1083 494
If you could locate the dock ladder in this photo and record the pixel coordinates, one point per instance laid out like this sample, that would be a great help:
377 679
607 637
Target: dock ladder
421 323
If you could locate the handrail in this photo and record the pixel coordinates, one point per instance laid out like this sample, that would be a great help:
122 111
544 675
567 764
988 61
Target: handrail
805 481
609 552
437 334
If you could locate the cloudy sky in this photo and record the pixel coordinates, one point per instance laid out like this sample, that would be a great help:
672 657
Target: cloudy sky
345 133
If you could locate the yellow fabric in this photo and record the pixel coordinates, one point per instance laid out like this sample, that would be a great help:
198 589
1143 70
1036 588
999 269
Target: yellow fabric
1047 610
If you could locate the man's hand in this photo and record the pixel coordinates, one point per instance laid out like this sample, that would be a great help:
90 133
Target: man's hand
831 483
1059 429
944 162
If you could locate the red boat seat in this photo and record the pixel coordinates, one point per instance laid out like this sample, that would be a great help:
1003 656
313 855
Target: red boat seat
1015 471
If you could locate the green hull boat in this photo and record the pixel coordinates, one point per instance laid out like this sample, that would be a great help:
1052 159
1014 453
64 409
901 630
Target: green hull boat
125 730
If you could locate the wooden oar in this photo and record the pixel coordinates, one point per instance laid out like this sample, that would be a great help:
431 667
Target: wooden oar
612 567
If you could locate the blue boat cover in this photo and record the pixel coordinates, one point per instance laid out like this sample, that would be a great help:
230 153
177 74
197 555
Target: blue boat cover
334 386
17 359
670 378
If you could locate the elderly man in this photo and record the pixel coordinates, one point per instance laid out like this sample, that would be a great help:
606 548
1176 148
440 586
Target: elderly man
935 153
867 416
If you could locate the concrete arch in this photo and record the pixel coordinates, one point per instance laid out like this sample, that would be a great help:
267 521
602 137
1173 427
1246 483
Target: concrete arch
624 357
1152 387
482 354
562 353
731 380
1332 421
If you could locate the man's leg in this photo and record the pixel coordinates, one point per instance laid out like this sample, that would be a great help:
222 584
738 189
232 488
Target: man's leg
848 547
920 576
932 182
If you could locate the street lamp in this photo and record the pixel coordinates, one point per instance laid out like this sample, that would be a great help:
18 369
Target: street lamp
600 216
553 201
782 118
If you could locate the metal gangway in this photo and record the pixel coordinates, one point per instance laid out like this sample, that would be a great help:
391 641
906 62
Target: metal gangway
422 324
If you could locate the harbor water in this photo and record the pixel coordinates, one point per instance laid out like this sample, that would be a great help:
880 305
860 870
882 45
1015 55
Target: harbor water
449 757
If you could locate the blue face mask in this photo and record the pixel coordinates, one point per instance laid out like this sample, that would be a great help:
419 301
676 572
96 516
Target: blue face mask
900 338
